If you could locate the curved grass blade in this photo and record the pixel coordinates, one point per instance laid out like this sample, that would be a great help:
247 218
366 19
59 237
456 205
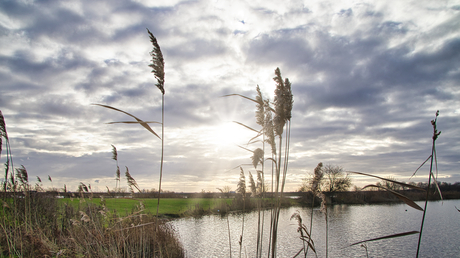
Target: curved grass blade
133 122
437 186
144 124
306 239
245 148
432 175
252 129
228 95
252 142
419 167
272 159
389 180
297 254
255 137
400 196
239 166
457 208
386 237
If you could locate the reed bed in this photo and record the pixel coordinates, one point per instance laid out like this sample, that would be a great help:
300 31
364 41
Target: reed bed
37 225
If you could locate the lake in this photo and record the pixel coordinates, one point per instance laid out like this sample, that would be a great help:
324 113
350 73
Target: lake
208 236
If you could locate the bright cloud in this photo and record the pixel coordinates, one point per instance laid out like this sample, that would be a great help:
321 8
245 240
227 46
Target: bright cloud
367 78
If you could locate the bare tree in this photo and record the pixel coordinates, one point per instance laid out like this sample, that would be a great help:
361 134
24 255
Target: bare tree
335 179
389 185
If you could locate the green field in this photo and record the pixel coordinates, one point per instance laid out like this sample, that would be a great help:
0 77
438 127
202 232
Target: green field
168 206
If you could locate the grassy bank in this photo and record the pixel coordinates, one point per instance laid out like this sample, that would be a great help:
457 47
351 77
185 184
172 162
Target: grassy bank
38 226
169 207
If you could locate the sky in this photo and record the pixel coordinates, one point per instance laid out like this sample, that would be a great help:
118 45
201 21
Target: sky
367 79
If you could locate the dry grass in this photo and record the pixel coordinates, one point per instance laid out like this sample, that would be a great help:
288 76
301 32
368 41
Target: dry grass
36 226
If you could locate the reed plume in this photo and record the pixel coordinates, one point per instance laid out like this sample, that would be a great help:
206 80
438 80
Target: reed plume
158 67
260 109
269 127
257 157
283 102
314 186
158 64
9 159
305 236
3 133
22 175
117 173
241 188
131 181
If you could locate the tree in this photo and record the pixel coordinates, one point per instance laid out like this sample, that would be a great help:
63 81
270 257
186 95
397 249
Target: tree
335 179
389 185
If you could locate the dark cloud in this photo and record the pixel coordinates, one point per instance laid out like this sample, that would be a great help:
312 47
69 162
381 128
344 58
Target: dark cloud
366 85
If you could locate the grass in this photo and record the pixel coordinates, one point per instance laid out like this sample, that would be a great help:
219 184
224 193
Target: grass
172 207
168 206
35 225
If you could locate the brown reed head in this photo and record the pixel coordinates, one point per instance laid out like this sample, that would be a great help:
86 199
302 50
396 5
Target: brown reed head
158 63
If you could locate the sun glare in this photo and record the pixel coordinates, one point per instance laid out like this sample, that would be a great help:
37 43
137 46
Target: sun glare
230 133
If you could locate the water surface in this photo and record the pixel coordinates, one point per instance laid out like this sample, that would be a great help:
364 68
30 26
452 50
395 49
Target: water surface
208 236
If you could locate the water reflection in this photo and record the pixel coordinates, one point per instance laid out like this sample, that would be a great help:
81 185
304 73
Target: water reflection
209 236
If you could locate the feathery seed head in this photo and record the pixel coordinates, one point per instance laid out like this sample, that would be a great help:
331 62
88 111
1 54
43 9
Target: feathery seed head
257 157
260 183
158 64
82 187
323 203
2 130
260 112
22 174
269 127
84 217
241 187
317 177
131 182
283 102
114 153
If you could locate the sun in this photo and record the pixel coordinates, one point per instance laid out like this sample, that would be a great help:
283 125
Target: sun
231 134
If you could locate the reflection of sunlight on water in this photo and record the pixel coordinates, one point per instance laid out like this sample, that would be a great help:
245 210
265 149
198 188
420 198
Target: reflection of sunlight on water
208 236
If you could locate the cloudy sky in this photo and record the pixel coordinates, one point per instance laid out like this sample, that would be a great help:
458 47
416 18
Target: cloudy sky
367 79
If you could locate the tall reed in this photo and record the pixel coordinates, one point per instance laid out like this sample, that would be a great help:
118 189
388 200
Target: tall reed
430 175
272 128
408 201
9 160
157 65
117 173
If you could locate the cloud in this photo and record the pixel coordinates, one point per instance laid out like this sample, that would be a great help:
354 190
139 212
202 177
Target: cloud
367 79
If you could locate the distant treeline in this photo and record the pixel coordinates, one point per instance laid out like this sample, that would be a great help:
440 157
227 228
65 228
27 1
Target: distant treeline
448 190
